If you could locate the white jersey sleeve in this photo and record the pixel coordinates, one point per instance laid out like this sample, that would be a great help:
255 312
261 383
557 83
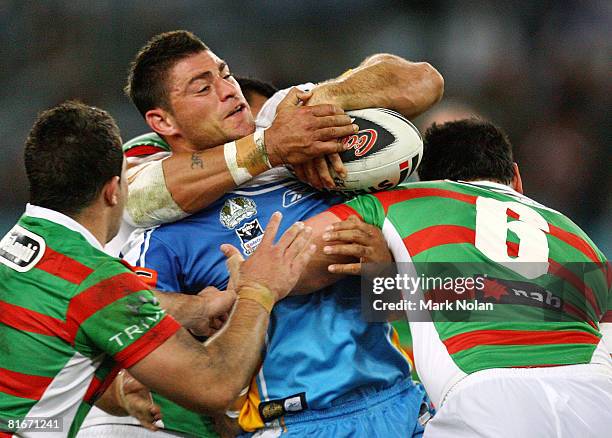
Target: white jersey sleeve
606 331
268 110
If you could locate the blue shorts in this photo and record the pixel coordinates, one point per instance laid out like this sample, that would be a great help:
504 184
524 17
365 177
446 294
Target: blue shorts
392 412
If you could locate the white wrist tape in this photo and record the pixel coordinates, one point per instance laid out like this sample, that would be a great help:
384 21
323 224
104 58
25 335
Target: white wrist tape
240 175
149 201
258 137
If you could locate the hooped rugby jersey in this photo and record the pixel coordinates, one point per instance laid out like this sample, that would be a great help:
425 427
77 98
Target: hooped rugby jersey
484 223
319 351
70 317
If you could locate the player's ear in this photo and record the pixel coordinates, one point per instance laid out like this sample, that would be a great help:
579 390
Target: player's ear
517 182
112 191
161 121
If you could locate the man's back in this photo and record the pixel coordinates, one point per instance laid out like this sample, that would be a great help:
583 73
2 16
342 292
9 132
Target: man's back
546 279
66 301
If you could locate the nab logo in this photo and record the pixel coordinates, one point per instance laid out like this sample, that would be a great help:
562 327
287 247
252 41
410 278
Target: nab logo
361 142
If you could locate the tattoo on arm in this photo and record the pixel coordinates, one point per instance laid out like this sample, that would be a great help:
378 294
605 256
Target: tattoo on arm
196 161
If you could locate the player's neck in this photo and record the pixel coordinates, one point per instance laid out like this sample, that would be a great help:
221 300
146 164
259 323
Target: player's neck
181 144
97 223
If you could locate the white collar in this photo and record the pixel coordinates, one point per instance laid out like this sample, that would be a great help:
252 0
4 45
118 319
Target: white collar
65 221
494 185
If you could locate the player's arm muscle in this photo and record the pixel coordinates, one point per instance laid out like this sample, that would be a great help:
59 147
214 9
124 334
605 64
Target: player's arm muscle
387 81
197 179
197 312
207 377
193 179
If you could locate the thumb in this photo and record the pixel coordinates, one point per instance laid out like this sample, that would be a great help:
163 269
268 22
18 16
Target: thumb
303 96
130 384
234 259
295 97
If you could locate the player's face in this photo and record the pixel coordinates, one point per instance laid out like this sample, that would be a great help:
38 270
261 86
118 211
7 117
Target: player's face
208 107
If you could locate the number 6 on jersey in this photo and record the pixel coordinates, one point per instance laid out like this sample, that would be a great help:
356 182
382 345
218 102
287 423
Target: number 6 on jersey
492 228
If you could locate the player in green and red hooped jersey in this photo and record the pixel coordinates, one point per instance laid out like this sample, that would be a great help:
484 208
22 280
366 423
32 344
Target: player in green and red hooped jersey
71 316
471 212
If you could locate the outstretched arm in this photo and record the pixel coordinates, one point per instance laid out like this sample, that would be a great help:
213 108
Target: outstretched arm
201 314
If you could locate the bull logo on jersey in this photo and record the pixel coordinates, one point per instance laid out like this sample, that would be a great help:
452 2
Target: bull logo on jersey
235 210
361 142
250 235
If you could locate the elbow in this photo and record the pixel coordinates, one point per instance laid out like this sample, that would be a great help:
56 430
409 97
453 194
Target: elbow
383 59
436 81
134 213
221 396
215 405
225 400
423 89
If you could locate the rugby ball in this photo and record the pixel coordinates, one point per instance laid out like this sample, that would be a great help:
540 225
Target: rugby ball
384 153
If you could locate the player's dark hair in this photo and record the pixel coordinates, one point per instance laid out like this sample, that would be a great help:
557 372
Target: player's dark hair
250 86
71 152
467 149
148 73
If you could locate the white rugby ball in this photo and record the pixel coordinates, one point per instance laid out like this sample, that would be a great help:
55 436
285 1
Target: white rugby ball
384 153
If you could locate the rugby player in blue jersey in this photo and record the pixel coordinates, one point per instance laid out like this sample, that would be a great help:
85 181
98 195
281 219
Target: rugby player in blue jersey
325 372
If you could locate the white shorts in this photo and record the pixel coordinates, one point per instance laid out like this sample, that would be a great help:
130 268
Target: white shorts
566 401
123 431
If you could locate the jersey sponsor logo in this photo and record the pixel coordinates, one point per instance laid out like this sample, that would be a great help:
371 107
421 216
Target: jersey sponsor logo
521 293
134 331
272 409
362 142
371 138
235 210
250 235
21 249
293 404
296 194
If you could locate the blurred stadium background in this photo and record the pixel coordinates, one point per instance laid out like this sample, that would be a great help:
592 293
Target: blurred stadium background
541 69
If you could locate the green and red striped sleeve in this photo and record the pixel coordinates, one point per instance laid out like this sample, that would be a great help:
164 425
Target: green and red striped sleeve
116 313
367 207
